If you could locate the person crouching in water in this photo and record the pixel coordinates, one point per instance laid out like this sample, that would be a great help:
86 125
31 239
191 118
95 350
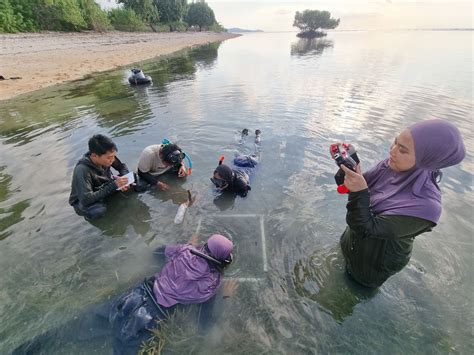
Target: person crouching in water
93 180
157 160
191 275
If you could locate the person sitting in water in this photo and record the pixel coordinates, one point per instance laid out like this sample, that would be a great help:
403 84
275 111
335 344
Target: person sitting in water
398 199
159 159
236 181
93 180
192 274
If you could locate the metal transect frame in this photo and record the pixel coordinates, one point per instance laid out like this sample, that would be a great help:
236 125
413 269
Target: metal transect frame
262 234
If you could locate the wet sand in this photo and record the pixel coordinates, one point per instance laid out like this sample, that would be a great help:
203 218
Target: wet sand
50 58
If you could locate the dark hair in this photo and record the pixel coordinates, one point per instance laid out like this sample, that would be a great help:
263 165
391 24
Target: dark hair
169 149
225 173
100 144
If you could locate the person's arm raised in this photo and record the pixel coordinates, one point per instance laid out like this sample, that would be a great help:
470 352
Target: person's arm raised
365 224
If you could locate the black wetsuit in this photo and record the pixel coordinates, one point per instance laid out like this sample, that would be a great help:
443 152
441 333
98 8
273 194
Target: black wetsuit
377 247
91 184
244 167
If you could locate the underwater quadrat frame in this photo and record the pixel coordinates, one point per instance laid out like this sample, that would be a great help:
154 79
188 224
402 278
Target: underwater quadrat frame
262 236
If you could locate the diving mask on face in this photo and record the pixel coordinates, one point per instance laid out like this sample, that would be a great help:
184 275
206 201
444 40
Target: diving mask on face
219 183
175 157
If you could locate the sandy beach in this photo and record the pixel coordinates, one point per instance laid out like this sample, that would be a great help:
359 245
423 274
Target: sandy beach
45 59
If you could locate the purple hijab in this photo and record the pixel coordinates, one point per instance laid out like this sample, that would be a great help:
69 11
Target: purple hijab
187 278
438 144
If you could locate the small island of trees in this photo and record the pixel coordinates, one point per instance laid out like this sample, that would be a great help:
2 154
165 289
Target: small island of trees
312 22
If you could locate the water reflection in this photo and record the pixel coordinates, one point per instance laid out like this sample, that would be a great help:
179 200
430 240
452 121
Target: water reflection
176 193
310 46
13 214
322 278
225 200
126 211
183 67
369 86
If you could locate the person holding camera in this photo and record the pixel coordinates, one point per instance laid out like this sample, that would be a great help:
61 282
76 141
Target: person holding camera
157 160
398 199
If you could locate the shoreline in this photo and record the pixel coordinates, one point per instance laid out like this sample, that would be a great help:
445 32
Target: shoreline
50 58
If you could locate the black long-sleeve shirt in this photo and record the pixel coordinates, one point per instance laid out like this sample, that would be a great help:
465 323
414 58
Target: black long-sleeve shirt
376 246
91 183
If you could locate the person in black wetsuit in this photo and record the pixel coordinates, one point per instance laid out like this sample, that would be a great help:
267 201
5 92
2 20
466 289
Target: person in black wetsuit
236 181
93 180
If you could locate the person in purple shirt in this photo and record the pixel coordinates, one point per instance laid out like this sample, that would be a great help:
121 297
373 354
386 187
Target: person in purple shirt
192 274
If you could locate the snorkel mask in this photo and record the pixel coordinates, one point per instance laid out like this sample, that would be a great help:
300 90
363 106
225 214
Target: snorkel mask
178 156
208 257
219 183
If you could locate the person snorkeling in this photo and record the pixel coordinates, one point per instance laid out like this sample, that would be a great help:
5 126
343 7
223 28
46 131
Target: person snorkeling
192 274
236 180
159 159
93 180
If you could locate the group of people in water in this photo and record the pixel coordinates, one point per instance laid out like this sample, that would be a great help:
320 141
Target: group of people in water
388 206
93 179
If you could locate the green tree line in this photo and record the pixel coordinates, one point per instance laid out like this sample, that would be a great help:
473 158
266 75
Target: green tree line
80 15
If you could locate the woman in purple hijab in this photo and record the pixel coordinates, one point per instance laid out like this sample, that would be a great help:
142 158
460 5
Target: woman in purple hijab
397 200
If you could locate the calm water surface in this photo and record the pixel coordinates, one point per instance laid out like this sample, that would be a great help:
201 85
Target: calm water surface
359 87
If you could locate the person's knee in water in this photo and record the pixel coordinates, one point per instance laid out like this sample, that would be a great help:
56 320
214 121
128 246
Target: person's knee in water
93 179
159 159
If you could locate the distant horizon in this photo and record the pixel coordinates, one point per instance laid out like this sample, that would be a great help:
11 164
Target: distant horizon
278 15
348 30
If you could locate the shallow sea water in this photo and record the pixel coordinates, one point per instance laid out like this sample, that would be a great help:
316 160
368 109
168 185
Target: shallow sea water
358 87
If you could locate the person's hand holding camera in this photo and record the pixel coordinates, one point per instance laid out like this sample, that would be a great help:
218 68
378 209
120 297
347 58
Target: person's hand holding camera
354 180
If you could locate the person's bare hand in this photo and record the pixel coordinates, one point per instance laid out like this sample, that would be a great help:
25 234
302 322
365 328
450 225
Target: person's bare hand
229 288
194 240
121 181
354 180
182 171
162 186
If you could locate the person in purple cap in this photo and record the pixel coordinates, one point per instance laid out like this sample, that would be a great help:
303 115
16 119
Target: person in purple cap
398 199
192 274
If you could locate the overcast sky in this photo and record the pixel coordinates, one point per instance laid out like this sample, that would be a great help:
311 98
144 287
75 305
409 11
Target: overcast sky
274 15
